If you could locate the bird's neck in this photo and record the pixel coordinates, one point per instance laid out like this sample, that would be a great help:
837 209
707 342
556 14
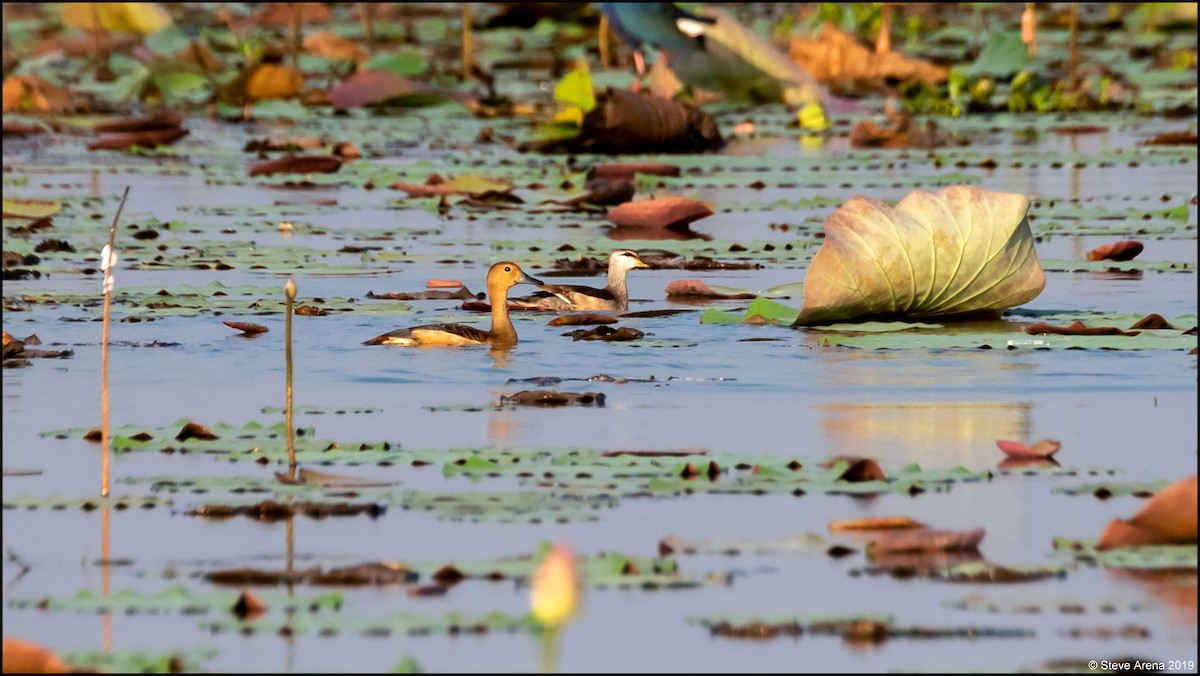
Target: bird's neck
502 330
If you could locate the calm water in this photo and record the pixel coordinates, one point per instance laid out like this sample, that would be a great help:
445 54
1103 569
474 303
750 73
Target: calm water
1131 411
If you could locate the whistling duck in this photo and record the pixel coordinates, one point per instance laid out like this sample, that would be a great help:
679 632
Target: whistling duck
569 298
500 278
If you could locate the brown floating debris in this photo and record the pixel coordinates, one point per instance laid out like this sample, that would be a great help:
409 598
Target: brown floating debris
581 319
248 606
1043 448
309 477
926 540
1152 321
304 164
1125 250
553 398
194 430
271 511
627 171
670 212
360 575
1076 328
875 523
138 139
674 453
1172 138
247 328
688 289
166 119
606 333
448 576
859 469
1167 518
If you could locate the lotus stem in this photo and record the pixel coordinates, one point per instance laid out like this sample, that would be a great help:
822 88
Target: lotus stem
290 290
1073 42
364 15
602 39
297 14
108 258
883 42
468 46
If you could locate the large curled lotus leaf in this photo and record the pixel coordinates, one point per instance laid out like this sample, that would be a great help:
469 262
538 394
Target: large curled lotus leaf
959 251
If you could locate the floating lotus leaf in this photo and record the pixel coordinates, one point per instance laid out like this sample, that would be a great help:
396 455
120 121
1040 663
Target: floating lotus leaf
959 251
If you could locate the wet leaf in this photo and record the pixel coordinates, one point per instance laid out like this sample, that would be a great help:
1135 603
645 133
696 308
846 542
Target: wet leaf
1117 251
1076 328
372 87
874 523
547 398
304 164
247 328
1167 518
925 540
664 212
1041 449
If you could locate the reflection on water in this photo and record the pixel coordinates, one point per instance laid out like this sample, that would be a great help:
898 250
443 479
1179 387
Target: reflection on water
934 434
1174 588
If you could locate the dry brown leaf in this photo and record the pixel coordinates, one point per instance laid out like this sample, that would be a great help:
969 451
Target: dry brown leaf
1152 321
1076 328
581 319
305 164
1041 449
247 328
194 430
1117 251
248 606
694 288
1167 518
333 46
627 171
138 139
836 59
926 540
664 212
274 81
368 87
23 657
32 94
859 469
874 523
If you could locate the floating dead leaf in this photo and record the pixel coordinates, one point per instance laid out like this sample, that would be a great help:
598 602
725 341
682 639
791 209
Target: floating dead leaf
475 186
1167 518
309 477
858 469
333 46
443 284
1039 450
164 119
1077 129
247 328
875 523
665 212
674 453
1076 328
448 576
1172 138
30 208
370 87
602 192
547 398
248 606
581 319
372 574
23 657
691 289
903 132
303 164
274 81
629 170
926 540
138 139
21 130
835 58
194 430
624 121
271 511
606 333
462 293
346 150
32 94
1152 321
289 144
1117 251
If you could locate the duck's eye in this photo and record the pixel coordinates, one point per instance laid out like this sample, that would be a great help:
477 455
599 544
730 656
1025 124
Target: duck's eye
507 269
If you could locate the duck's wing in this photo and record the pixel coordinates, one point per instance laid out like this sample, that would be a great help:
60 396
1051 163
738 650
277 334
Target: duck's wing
433 334
581 297
734 48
